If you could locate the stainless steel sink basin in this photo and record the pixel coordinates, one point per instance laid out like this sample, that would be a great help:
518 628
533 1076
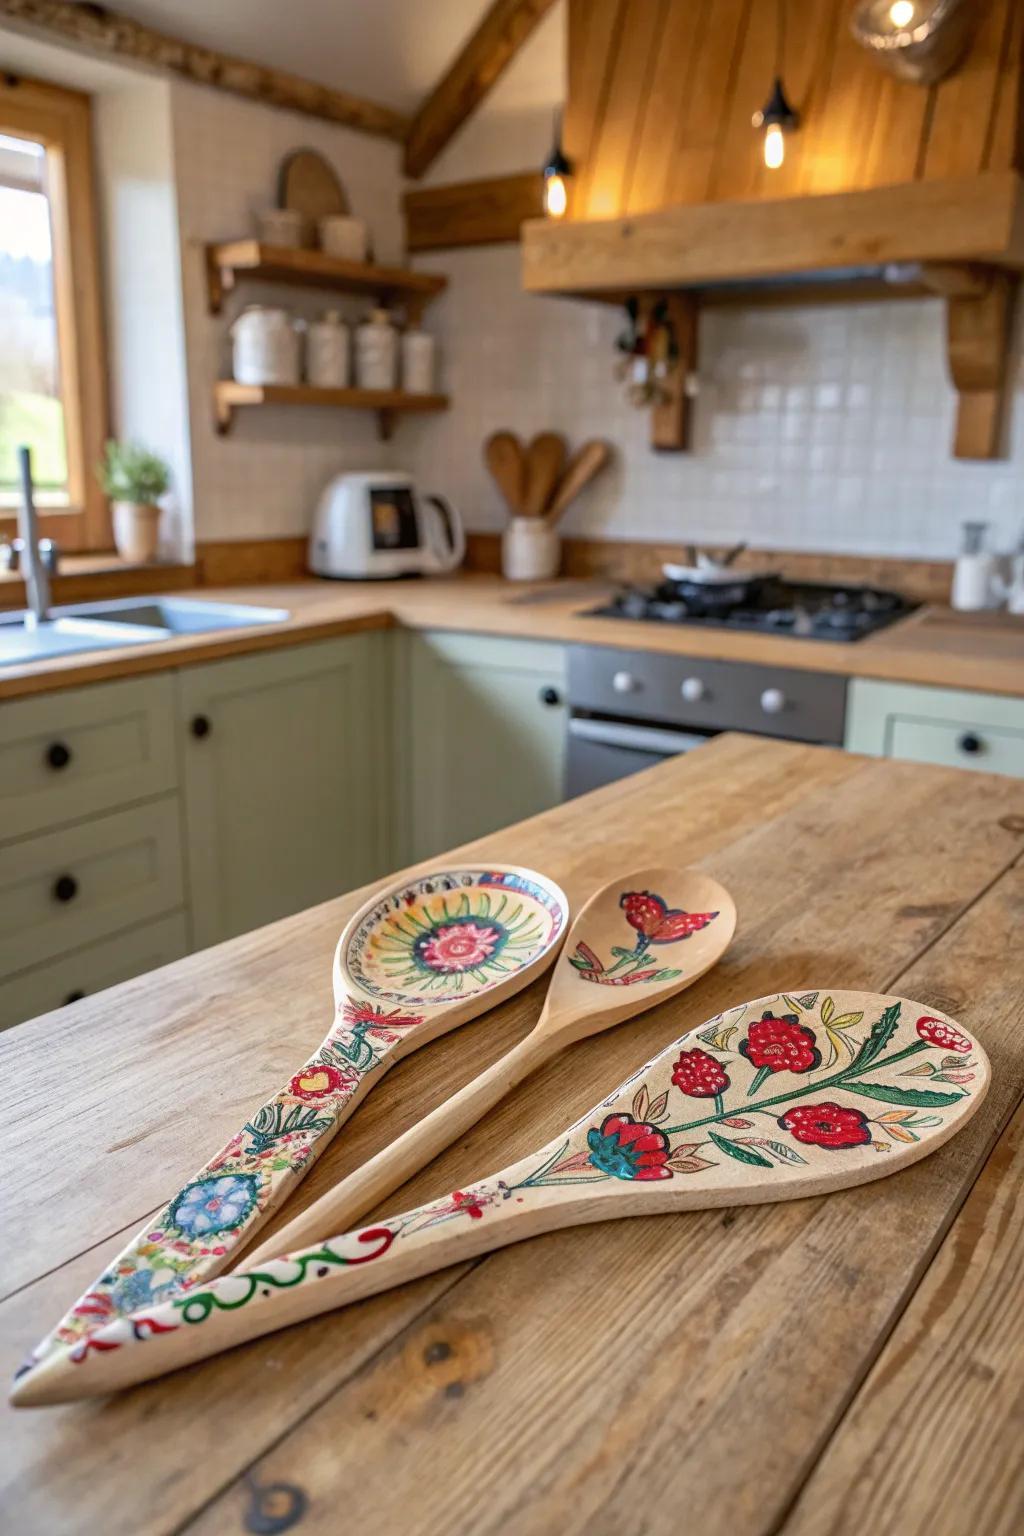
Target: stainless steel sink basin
126 621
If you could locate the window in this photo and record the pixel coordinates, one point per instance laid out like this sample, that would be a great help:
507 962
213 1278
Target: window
52 366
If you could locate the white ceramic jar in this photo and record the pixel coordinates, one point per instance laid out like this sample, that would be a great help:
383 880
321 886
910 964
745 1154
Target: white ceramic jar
530 549
280 226
265 347
328 352
377 352
417 362
344 237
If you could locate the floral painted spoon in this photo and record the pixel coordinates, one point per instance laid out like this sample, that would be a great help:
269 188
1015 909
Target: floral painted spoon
416 960
660 930
857 1086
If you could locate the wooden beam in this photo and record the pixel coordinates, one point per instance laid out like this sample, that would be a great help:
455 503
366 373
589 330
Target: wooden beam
480 62
978 339
485 212
96 30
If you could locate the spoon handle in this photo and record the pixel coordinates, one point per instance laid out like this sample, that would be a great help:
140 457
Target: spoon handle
341 1207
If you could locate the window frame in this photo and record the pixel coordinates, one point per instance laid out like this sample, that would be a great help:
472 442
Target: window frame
61 120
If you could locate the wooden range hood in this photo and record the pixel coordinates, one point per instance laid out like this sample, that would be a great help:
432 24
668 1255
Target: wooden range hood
888 190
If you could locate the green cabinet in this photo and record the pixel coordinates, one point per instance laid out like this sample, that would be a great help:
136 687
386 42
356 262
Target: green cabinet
950 727
484 736
284 777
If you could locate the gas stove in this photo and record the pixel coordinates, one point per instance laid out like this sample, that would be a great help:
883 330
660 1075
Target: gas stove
770 605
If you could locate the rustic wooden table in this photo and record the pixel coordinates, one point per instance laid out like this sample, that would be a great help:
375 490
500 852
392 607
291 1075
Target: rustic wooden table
844 1364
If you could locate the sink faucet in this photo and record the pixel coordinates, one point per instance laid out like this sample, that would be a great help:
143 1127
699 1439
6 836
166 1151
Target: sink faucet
37 580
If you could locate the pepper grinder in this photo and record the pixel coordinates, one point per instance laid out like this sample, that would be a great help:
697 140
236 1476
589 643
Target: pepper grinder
974 572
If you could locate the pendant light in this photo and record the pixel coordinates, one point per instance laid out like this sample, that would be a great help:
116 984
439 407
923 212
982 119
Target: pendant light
556 173
777 117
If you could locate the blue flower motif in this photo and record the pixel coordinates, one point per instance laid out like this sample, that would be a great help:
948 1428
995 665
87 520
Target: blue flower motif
136 1291
215 1204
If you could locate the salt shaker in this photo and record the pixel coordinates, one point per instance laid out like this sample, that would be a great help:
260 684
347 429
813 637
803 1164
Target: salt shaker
974 572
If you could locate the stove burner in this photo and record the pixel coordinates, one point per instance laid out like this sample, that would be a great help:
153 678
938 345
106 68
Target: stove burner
770 606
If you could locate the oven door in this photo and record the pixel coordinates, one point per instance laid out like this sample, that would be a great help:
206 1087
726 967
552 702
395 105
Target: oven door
601 751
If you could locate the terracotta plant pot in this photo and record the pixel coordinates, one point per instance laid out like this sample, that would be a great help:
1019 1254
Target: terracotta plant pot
136 531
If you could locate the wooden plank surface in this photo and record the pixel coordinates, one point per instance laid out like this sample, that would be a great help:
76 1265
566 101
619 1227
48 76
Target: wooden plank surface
485 212
653 1344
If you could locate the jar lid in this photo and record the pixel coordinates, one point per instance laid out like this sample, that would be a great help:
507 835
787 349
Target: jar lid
380 316
332 317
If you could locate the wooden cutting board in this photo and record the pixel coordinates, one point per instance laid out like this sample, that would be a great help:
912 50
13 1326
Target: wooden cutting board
309 183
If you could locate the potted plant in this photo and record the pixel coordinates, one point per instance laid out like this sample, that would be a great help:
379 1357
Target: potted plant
134 479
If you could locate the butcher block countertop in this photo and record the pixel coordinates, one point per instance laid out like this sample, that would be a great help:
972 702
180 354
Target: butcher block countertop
842 1364
932 646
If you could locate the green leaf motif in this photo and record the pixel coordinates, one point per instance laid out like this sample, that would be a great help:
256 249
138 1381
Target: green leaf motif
917 1098
828 1008
741 1154
776 1148
878 1039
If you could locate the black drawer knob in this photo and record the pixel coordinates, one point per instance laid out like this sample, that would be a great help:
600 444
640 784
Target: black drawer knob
74 997
550 697
200 727
65 888
970 743
58 755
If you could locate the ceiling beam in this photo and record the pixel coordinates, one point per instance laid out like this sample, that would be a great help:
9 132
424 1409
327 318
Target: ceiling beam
505 26
95 29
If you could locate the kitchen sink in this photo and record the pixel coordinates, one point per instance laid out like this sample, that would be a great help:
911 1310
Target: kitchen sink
126 621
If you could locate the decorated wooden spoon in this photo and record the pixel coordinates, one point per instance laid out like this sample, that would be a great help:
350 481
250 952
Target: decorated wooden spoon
856 1087
416 960
638 940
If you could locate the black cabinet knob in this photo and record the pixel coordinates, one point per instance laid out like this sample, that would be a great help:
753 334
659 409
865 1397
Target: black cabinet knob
65 888
73 997
970 743
550 697
200 727
58 755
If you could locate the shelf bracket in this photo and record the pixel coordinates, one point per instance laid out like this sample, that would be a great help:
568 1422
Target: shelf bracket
385 425
220 281
223 414
978 342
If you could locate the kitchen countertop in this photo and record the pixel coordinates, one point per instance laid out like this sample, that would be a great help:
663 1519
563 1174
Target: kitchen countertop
932 646
843 1363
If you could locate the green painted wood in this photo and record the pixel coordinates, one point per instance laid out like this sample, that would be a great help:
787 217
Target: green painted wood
936 725
485 750
133 952
286 798
120 741
125 868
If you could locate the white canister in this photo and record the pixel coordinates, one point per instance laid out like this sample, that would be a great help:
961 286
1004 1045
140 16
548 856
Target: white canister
344 237
265 347
530 550
377 352
417 362
328 352
280 226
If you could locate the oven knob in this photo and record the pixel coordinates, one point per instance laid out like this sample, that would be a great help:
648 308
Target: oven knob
693 689
773 701
625 682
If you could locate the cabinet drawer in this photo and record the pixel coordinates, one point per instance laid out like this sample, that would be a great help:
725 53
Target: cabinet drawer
64 889
65 756
90 970
946 726
954 745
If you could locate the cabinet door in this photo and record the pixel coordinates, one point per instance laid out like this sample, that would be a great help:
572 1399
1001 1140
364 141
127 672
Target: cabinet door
487 735
285 773
949 727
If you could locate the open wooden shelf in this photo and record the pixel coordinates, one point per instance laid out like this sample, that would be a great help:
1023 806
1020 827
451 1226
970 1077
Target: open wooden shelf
227 263
388 403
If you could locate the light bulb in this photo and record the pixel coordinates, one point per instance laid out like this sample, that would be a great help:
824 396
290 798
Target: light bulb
774 146
556 198
901 13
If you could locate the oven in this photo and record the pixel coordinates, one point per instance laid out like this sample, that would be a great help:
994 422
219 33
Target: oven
631 709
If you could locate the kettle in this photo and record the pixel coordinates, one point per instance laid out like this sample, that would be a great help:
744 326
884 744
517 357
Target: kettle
375 525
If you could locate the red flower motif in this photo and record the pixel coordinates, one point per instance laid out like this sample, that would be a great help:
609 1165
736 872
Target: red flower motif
780 1045
826 1125
699 1075
378 1021
319 1081
629 1149
938 1032
469 1205
656 923
460 947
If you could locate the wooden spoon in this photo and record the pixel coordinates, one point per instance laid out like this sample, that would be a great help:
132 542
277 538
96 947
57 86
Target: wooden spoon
585 463
505 457
741 1111
545 459
637 941
416 960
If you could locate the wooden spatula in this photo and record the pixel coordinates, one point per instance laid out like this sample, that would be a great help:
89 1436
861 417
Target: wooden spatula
505 457
545 459
638 940
798 1094
418 959
585 463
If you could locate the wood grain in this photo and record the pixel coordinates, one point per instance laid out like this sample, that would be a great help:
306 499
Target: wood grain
481 61
97 30
228 262
486 212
